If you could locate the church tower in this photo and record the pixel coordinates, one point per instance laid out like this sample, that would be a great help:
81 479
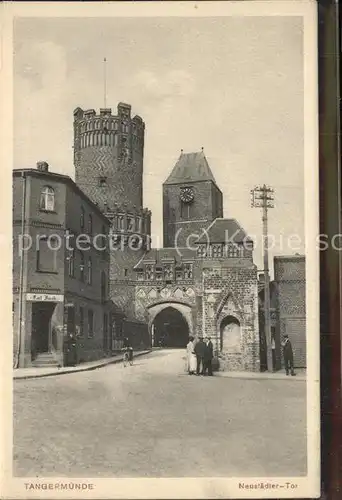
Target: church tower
108 159
191 200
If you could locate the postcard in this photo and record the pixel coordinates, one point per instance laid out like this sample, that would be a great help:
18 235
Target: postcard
160 267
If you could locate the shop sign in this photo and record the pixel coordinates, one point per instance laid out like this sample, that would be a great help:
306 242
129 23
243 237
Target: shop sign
44 297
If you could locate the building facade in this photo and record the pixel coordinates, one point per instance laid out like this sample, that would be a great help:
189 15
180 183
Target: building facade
274 324
60 287
204 282
289 275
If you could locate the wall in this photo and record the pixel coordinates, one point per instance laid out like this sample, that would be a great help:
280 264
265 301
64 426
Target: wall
138 334
289 273
66 215
232 291
38 223
202 208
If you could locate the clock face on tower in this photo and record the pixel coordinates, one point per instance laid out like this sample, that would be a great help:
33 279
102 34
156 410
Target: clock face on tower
187 195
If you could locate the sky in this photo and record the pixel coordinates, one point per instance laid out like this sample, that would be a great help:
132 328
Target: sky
232 85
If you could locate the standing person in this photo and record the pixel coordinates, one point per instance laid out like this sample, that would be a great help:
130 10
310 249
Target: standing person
199 351
191 356
288 355
208 357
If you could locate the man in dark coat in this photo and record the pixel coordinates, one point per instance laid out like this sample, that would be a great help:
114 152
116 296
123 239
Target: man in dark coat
208 357
288 355
200 348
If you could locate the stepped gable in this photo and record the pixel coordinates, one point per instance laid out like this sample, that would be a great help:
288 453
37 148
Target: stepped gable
190 167
224 230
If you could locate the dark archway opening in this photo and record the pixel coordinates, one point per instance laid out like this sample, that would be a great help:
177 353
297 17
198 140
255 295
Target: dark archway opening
170 329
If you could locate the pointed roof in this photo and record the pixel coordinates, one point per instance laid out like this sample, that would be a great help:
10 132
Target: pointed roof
190 167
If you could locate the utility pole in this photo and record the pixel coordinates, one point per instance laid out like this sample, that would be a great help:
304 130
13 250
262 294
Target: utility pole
263 197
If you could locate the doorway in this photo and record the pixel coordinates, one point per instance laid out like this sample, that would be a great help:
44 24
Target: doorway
41 327
170 329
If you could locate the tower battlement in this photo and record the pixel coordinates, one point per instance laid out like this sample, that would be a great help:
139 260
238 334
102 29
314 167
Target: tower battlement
108 155
123 111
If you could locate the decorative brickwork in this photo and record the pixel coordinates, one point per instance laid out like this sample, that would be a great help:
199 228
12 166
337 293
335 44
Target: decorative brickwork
231 293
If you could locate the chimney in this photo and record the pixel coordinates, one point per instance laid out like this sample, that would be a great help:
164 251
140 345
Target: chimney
43 166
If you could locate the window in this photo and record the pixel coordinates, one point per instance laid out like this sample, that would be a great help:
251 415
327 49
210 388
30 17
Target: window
102 182
90 224
81 321
82 218
202 250
47 199
126 273
81 266
121 225
47 255
188 271
233 250
71 263
103 242
140 276
179 275
185 210
168 272
130 224
90 323
89 274
149 272
103 287
216 251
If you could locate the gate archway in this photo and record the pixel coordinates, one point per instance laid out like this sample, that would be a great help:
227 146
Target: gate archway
170 328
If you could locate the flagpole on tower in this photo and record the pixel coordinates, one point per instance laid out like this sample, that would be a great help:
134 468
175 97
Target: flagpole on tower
105 81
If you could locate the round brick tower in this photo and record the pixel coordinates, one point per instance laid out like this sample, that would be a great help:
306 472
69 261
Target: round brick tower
108 156
108 159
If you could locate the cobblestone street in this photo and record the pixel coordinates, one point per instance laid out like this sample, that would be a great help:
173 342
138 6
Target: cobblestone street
152 419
